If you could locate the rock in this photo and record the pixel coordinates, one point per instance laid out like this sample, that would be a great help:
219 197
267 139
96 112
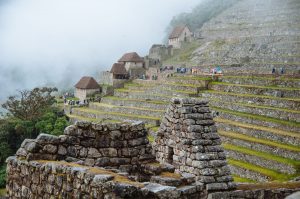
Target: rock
47 139
101 178
49 148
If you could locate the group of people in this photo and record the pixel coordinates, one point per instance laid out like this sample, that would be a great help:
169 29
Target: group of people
282 71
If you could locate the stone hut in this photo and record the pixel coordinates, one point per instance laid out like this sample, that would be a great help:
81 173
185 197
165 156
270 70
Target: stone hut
179 35
133 63
188 139
85 87
119 71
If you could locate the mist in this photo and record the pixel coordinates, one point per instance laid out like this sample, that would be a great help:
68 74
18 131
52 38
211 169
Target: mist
55 42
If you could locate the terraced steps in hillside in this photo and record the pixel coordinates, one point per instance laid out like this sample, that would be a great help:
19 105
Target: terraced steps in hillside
288 92
280 81
263 145
263 159
152 104
255 172
264 100
259 132
269 111
90 113
258 120
126 109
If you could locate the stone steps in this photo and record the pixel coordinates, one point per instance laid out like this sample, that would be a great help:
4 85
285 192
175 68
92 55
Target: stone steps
126 109
259 132
262 159
157 105
275 148
257 90
90 113
258 120
279 113
264 100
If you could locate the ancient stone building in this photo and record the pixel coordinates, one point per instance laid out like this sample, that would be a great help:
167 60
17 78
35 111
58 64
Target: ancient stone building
133 63
85 87
179 35
116 160
119 71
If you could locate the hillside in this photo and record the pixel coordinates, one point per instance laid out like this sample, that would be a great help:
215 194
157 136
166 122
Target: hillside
252 36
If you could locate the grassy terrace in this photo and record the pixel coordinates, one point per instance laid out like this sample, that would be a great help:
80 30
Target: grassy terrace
126 107
127 90
286 78
258 106
251 95
88 119
259 141
181 91
255 86
190 77
237 178
179 84
261 128
273 174
258 117
267 156
136 100
87 110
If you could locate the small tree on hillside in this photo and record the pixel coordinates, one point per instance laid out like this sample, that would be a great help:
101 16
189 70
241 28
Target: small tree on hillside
30 105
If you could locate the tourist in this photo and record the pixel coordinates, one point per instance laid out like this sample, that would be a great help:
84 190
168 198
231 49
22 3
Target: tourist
273 70
282 70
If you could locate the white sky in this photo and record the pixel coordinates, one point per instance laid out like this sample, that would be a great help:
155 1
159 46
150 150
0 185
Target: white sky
57 41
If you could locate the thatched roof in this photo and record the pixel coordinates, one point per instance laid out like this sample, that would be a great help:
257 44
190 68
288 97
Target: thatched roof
131 57
118 69
87 83
177 32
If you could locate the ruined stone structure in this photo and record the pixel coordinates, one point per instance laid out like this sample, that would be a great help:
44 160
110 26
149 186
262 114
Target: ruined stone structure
179 35
85 87
115 160
188 139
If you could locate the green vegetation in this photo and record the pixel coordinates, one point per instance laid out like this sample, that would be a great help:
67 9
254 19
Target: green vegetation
255 127
274 175
87 110
258 117
29 114
135 100
2 192
237 178
262 77
256 86
151 138
251 95
258 106
264 155
190 77
126 107
127 90
259 141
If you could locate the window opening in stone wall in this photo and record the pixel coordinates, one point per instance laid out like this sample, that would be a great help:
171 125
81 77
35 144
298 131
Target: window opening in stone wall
170 154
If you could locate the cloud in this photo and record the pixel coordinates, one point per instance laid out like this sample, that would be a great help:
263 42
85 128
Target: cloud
58 41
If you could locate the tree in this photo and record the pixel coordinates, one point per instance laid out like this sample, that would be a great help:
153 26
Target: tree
30 105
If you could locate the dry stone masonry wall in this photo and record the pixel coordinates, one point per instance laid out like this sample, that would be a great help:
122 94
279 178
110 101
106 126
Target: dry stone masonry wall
113 161
188 139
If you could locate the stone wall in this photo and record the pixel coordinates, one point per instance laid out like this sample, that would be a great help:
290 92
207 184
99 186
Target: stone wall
112 145
188 139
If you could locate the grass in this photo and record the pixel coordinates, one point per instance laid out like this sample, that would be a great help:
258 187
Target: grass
256 86
269 185
274 175
170 175
155 128
92 119
126 107
255 127
136 100
189 77
259 141
258 117
127 90
2 192
87 110
181 91
264 155
258 106
251 95
150 138
262 78
237 178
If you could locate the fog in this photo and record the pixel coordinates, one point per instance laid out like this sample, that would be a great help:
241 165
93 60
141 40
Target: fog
55 42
